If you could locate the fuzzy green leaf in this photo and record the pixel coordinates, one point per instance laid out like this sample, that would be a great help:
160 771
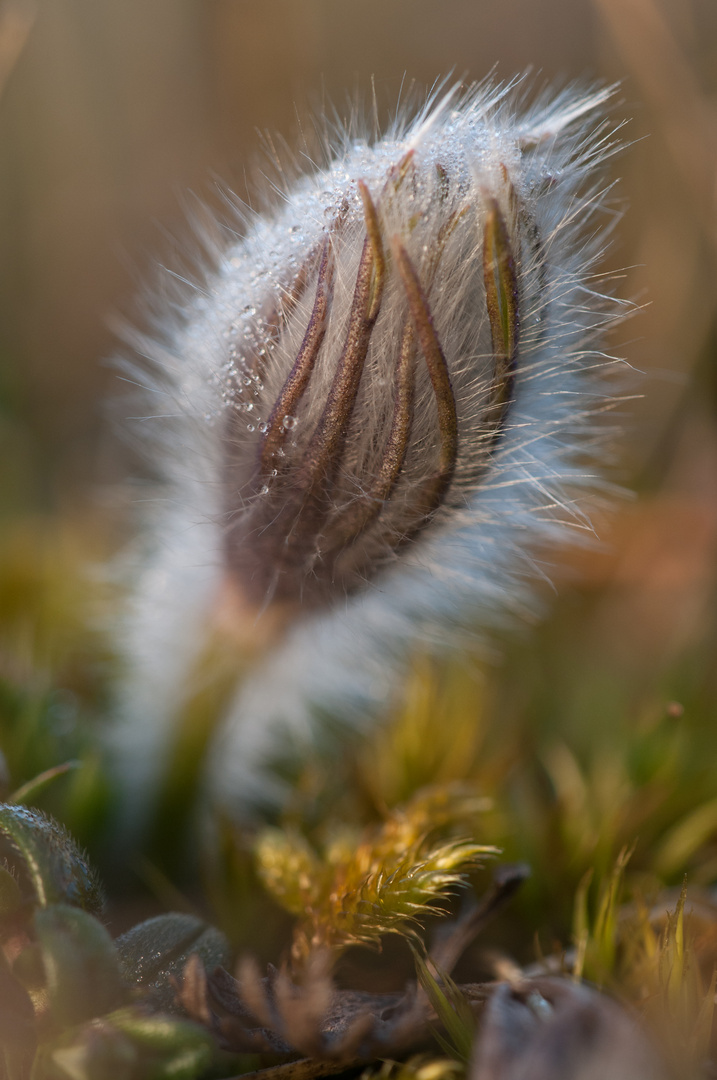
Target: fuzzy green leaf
156 951
57 870
81 964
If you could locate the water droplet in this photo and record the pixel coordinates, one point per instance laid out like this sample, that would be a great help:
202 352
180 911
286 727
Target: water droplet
264 490
274 472
246 380
250 427
249 406
289 422
263 428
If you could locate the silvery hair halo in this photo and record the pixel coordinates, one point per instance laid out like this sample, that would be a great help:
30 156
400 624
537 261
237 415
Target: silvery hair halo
383 400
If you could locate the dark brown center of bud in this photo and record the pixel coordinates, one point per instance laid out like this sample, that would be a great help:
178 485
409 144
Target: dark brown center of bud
307 525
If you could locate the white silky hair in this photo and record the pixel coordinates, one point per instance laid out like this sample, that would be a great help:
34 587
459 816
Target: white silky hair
474 567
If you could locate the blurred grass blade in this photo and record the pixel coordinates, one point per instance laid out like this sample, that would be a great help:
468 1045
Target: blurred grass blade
452 1009
581 923
27 792
685 838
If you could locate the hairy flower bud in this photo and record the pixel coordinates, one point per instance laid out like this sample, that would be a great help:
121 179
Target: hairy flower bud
377 410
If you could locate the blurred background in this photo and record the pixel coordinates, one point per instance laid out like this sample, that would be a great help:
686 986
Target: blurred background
112 111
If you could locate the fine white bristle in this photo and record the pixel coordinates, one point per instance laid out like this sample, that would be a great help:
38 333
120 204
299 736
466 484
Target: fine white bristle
468 236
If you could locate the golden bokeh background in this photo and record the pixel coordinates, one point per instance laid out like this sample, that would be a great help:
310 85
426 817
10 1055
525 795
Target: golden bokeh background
114 109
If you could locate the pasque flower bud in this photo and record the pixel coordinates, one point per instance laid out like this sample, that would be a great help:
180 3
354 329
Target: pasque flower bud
377 411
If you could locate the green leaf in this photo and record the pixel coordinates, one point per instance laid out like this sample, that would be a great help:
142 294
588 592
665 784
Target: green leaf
93 1052
155 952
57 870
182 1049
127 1045
81 964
